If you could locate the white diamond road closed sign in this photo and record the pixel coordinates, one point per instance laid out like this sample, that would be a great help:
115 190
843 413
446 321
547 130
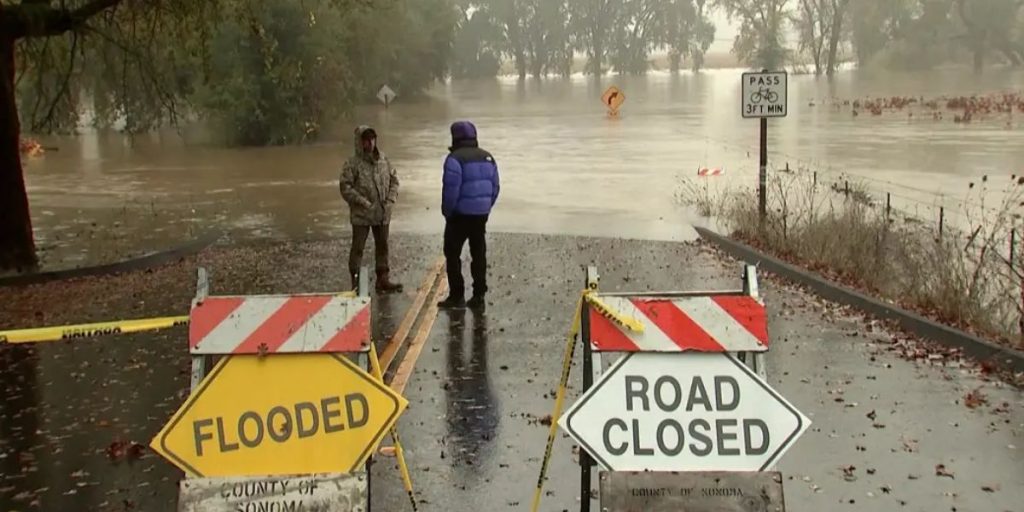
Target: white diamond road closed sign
765 94
683 412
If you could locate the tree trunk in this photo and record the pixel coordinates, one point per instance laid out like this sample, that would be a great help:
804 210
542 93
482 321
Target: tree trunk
597 62
675 61
17 246
835 35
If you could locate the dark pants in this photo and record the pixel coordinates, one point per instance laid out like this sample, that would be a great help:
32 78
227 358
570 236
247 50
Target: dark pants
380 243
457 230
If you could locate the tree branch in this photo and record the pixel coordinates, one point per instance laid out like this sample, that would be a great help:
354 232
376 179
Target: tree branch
64 87
33 20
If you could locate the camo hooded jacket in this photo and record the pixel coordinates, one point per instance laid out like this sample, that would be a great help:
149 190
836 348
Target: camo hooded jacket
369 184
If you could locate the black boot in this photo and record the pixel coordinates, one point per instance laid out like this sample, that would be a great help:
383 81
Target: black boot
384 284
355 281
452 302
477 301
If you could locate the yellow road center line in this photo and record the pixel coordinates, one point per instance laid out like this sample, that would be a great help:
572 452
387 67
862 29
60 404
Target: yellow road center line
405 368
391 349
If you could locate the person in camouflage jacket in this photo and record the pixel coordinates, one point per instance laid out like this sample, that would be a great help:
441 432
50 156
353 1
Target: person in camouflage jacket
369 184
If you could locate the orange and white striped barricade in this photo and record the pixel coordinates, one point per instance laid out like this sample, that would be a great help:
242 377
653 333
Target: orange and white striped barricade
684 419
287 418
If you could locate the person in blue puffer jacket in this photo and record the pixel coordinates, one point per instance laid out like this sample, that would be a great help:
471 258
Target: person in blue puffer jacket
470 189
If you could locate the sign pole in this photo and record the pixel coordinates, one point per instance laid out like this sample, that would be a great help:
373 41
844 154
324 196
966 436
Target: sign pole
762 190
588 380
764 94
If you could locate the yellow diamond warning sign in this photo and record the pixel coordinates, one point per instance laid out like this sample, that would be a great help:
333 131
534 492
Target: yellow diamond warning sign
281 415
613 98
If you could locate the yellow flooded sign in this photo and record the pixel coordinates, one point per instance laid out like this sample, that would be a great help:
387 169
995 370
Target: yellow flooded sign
287 414
613 98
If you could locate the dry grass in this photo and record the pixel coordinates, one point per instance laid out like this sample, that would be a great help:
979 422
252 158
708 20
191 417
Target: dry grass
962 278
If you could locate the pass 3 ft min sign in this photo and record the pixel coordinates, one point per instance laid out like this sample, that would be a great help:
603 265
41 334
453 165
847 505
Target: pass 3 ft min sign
765 94
683 412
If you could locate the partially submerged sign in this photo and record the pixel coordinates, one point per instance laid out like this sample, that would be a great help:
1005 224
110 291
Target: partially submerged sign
334 492
386 95
281 415
683 412
613 98
692 492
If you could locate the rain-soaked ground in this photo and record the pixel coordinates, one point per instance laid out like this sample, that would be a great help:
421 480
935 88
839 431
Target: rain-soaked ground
883 419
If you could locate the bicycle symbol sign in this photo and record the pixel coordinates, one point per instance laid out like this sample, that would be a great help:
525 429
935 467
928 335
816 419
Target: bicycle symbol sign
765 94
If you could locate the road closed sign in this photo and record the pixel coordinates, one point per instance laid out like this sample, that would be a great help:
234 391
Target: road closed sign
683 412
282 415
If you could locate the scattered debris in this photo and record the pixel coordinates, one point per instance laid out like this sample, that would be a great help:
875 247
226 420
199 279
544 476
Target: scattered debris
975 399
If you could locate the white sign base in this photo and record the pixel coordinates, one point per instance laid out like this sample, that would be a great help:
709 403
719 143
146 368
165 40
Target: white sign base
334 492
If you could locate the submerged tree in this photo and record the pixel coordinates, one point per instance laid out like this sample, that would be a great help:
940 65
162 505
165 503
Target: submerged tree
50 41
688 32
821 25
760 40
989 27
271 71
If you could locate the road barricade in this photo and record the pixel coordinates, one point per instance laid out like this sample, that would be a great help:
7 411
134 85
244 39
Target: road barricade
684 419
289 416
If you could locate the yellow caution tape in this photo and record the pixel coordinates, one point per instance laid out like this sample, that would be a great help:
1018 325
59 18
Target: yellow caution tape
616 317
71 332
570 349
399 451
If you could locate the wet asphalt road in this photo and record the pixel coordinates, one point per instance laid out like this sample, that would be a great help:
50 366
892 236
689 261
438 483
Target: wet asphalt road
70 412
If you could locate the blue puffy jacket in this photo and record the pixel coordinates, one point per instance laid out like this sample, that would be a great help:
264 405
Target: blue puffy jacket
470 183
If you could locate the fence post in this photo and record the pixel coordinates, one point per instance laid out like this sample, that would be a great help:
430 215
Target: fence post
888 205
942 219
815 178
847 188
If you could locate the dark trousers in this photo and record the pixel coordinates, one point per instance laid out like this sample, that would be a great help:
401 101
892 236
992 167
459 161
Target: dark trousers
380 243
457 230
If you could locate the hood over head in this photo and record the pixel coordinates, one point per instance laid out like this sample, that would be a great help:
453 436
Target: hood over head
361 132
463 135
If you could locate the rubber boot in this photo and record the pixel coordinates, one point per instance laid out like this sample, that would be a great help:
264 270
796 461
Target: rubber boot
385 285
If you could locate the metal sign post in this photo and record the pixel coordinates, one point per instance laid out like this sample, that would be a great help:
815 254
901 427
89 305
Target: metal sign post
764 95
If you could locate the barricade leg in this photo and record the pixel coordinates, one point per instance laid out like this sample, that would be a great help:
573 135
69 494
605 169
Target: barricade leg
364 291
200 363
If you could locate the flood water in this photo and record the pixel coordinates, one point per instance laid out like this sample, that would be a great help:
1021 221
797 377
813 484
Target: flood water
566 166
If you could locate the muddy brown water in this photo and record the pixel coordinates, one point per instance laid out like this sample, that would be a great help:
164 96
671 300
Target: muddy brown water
566 167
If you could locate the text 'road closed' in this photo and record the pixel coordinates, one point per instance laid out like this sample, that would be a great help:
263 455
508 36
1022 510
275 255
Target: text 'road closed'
673 435
280 423
683 412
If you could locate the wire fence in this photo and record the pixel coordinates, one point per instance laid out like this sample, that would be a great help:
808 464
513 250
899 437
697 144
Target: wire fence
956 251
986 206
